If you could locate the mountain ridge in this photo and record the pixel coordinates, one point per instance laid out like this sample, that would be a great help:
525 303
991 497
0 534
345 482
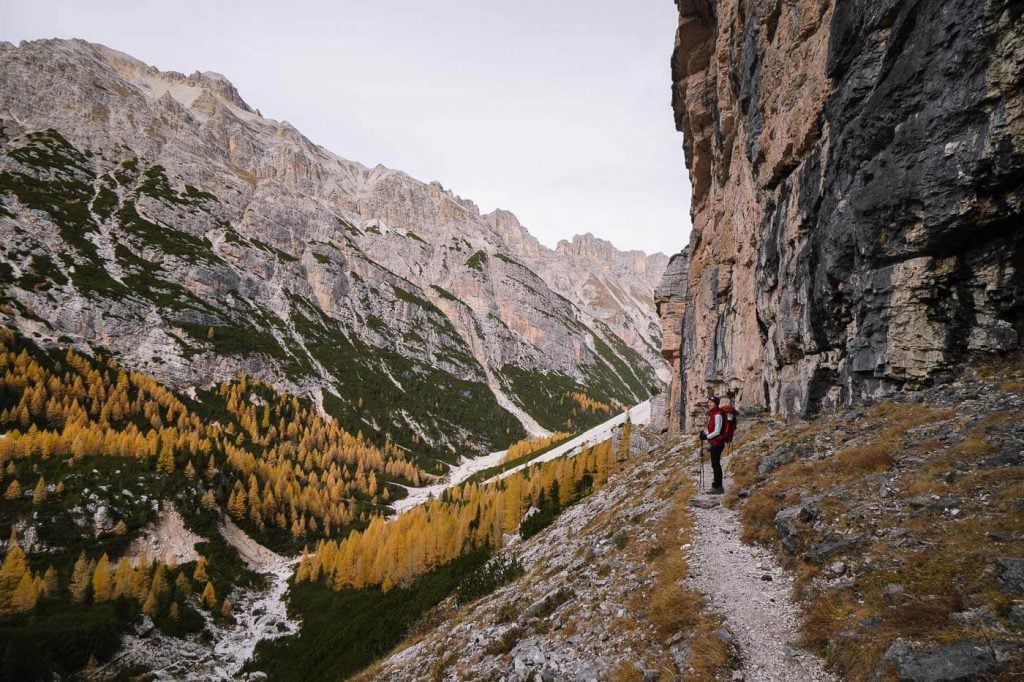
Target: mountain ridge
249 220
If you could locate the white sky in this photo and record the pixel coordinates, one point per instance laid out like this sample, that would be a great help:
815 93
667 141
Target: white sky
558 110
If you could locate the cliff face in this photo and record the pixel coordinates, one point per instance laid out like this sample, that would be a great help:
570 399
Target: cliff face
161 217
858 189
671 297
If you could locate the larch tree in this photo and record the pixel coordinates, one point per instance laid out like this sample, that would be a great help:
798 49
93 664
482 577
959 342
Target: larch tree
81 578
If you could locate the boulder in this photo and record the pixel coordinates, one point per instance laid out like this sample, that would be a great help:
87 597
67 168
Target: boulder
824 550
957 662
788 522
1011 580
773 461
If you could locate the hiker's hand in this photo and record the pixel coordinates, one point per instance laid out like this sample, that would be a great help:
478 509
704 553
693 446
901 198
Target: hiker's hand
703 435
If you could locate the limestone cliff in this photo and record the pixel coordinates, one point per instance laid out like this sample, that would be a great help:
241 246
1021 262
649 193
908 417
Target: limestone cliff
671 299
858 189
159 216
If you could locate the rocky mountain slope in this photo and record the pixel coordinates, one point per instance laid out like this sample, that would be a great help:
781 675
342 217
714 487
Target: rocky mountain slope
162 218
601 597
857 196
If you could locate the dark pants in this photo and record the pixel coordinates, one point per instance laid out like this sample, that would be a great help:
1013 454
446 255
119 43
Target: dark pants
716 463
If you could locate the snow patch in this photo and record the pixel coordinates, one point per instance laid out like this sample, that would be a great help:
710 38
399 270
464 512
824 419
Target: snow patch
528 422
456 475
640 415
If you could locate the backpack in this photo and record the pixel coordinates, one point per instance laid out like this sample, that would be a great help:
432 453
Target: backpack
730 418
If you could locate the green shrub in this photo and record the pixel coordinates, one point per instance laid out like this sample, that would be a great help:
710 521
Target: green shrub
477 261
344 631
489 577
58 639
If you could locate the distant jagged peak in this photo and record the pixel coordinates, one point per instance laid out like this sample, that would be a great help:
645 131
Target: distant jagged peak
513 234
150 80
155 82
587 245
595 250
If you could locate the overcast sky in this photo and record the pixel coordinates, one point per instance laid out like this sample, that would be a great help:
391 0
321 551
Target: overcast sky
558 110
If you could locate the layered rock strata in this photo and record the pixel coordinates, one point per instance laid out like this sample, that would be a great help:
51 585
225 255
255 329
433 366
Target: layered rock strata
858 188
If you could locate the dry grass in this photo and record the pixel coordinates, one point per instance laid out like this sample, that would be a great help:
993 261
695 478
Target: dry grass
441 667
758 515
709 654
750 433
972 447
857 460
625 672
672 608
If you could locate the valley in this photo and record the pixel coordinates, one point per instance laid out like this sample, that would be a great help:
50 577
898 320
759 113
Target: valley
270 413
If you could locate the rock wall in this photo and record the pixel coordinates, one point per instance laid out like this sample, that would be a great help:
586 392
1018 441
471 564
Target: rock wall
671 299
857 202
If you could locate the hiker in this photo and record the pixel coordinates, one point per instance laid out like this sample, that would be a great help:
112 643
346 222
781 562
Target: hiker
714 435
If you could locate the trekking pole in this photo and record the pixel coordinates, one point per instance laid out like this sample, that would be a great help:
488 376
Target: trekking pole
702 466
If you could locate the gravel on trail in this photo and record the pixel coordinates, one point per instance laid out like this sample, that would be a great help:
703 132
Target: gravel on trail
748 587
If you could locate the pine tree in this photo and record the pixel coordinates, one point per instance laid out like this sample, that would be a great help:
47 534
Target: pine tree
13 491
236 504
39 494
225 608
24 597
199 574
101 588
13 569
81 578
149 606
209 596
122 582
165 462
50 582
182 584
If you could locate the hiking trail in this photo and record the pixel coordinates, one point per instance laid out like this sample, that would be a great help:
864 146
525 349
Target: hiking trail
758 612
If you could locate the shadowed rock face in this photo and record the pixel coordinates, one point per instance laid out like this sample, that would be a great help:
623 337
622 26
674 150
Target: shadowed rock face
858 184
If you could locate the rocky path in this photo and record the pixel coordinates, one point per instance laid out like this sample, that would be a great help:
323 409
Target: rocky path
752 591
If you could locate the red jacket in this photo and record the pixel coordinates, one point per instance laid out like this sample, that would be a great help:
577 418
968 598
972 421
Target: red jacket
716 422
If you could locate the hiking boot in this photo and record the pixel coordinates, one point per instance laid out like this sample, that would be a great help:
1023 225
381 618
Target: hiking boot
716 490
